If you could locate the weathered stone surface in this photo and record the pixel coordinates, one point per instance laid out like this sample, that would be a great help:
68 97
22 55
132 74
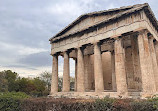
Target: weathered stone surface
80 71
156 50
136 63
113 56
54 85
107 70
75 75
113 71
148 82
98 71
120 68
154 61
129 68
66 73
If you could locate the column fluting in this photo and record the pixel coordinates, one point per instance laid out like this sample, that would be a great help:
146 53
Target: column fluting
98 70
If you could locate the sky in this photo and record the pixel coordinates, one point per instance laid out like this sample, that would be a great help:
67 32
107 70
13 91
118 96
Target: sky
27 25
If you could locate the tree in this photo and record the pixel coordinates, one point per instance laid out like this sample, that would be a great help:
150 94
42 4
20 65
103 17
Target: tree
46 77
40 86
25 85
11 78
8 80
3 83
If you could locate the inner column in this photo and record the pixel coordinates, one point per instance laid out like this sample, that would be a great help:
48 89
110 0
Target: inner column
80 71
121 80
66 73
98 71
107 70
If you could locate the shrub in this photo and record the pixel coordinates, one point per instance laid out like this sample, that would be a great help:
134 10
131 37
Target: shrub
143 106
11 101
105 104
122 105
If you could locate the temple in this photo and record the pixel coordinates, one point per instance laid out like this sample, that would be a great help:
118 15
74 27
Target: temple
115 53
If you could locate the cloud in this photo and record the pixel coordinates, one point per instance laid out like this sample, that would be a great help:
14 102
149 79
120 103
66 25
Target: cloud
37 59
27 25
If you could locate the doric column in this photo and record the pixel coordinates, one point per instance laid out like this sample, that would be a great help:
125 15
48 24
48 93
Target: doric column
54 85
113 71
98 71
66 73
75 75
156 50
80 71
136 63
120 72
154 61
87 73
148 83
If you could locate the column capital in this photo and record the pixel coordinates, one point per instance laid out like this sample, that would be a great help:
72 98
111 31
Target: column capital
96 42
66 51
143 31
112 52
117 38
151 37
56 54
80 48
156 42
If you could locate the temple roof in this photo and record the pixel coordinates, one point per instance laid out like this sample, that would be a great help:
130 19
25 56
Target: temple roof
122 11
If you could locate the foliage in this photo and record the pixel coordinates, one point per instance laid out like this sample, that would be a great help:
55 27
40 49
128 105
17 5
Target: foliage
11 101
3 83
122 105
7 80
46 77
60 83
39 87
104 104
65 104
11 78
144 106
10 81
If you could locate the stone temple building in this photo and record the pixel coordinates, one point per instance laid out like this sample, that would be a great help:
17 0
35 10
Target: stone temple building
115 53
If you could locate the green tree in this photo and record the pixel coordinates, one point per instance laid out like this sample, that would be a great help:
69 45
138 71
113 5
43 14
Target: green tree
11 78
25 85
8 80
46 77
3 83
39 87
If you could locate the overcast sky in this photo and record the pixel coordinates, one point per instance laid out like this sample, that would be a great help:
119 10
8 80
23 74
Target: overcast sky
27 25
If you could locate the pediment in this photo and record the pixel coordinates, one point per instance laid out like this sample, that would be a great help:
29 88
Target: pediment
89 20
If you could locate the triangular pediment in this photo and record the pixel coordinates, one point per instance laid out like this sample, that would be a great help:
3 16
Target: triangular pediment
92 19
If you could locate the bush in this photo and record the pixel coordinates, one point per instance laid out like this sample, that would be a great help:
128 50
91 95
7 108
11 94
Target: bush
11 101
122 105
17 102
143 106
105 104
